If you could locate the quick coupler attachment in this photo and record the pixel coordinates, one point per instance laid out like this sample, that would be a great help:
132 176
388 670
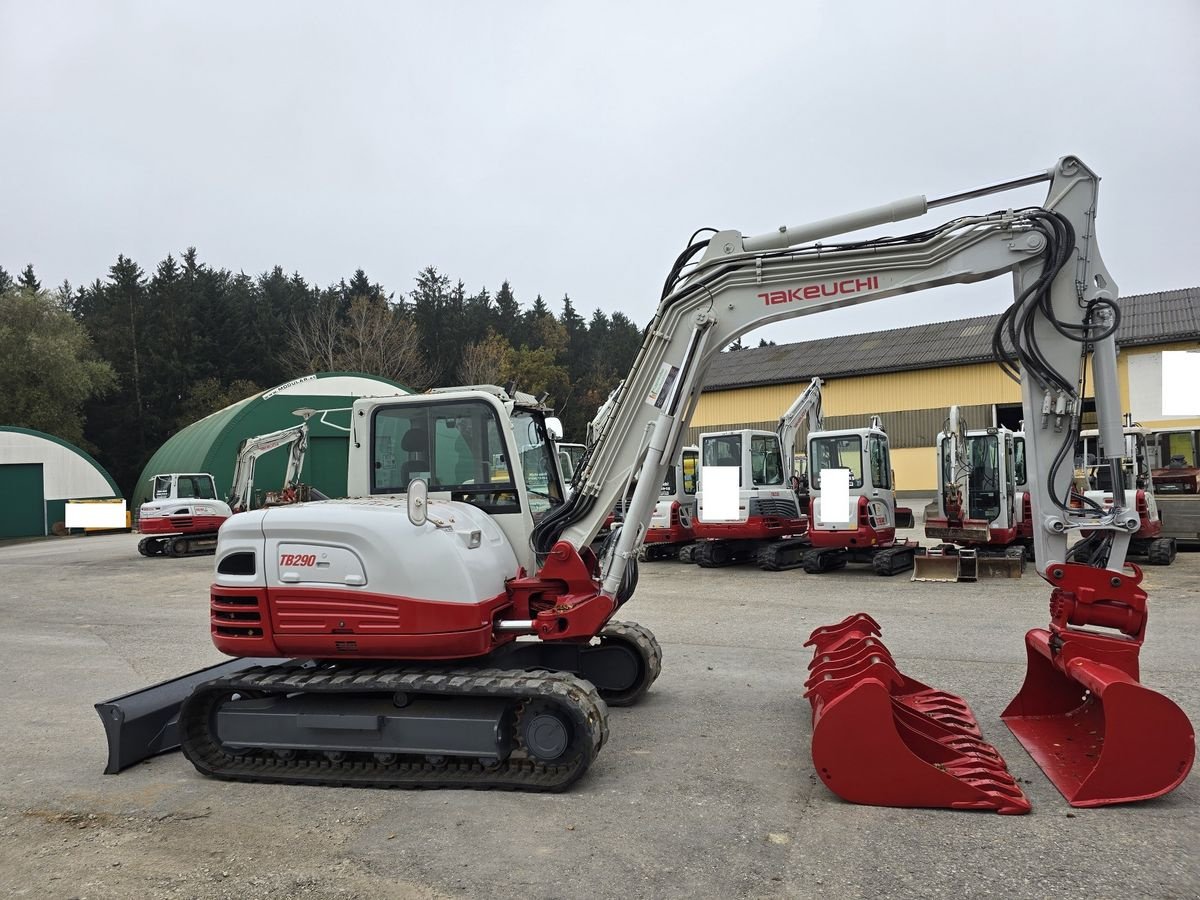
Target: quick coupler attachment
884 739
1099 734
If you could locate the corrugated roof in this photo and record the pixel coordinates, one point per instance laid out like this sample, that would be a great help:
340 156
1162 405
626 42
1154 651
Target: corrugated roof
1145 319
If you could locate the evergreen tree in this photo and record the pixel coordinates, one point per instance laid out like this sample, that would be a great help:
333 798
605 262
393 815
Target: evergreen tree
28 280
6 282
508 313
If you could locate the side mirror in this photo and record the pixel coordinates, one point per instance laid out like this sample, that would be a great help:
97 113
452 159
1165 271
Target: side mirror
554 428
418 501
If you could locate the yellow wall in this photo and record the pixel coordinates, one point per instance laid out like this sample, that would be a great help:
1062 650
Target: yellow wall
915 468
867 394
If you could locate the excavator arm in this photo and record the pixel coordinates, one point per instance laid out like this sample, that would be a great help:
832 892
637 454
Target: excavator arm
807 405
242 490
1064 301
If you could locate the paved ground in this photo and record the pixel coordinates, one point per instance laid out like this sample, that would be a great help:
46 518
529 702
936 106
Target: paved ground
705 790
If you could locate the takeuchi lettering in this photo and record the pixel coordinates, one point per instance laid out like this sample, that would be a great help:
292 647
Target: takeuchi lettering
817 291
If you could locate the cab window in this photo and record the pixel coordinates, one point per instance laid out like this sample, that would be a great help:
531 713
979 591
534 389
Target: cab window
455 447
881 469
843 452
724 450
691 469
766 465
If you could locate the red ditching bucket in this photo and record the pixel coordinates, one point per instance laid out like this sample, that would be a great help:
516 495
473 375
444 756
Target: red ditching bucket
884 739
1099 735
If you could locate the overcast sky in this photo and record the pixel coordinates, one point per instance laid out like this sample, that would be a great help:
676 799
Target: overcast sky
573 148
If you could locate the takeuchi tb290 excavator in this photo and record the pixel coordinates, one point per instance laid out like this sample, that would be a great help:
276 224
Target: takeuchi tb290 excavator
460 632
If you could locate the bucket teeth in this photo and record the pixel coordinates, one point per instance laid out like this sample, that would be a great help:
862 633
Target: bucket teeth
882 738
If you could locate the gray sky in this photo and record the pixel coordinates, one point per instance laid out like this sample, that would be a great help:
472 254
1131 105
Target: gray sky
572 148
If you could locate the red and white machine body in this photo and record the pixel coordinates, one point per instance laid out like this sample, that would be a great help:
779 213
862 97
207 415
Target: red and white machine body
183 503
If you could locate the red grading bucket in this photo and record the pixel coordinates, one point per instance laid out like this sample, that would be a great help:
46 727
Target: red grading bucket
884 739
1099 735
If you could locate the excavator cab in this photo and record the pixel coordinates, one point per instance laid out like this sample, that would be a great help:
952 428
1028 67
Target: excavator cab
975 515
767 521
1137 488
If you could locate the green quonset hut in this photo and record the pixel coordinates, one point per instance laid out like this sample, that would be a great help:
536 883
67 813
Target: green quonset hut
39 473
211 444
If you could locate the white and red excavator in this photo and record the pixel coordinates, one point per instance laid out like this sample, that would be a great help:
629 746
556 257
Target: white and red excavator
183 516
669 533
768 525
978 515
449 625
858 522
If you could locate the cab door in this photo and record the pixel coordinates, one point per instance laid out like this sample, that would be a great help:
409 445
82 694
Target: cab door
879 490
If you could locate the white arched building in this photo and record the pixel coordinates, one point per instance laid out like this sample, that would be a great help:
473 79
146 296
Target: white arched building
39 473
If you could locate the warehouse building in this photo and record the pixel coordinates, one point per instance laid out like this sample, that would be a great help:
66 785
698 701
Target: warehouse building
911 376
39 473
211 444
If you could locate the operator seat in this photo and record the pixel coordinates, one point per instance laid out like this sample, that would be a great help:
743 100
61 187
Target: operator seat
416 444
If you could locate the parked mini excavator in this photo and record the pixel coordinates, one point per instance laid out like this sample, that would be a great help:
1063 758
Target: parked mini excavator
769 526
1137 483
859 525
184 516
460 632
669 534
976 515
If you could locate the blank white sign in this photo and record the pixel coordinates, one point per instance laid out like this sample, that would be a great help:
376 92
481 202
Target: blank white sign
835 496
95 515
1180 377
719 494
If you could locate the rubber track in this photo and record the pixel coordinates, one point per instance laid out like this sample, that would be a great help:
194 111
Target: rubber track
773 557
571 695
892 560
187 541
647 645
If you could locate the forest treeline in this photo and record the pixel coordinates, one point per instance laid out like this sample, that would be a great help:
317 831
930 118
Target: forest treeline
120 365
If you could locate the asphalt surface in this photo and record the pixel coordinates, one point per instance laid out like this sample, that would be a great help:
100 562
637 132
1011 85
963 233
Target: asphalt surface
706 789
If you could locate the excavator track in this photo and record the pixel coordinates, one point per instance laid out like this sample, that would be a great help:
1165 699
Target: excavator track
1161 552
539 707
894 560
150 546
647 647
713 555
190 545
783 555
820 560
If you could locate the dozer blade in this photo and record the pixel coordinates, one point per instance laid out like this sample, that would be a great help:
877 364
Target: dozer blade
935 567
884 739
144 723
1099 735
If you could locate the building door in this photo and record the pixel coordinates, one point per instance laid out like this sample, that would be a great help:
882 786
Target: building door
22 500
325 465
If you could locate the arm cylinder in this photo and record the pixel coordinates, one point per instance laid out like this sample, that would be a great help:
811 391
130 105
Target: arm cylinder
786 236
